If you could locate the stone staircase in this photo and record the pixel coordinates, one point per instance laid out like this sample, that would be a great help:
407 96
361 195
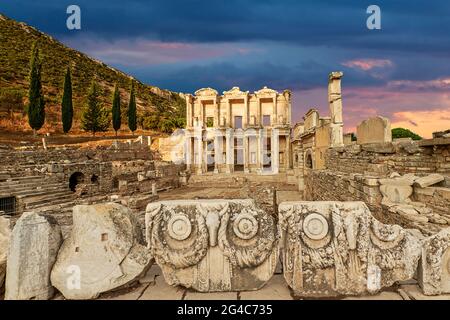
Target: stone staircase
36 192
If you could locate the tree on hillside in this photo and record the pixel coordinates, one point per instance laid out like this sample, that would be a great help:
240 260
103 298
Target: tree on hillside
116 116
66 104
132 110
36 104
95 117
404 133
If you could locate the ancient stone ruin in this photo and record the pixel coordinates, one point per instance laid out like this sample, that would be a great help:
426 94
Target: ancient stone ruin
213 245
332 248
238 204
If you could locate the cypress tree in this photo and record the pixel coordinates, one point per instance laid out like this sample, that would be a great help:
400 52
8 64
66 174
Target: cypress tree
132 110
95 117
116 116
36 104
66 104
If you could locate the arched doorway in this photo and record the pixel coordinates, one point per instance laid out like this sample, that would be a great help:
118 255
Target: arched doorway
75 179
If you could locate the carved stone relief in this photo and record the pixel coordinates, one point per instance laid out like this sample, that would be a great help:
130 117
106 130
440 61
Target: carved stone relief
334 248
212 245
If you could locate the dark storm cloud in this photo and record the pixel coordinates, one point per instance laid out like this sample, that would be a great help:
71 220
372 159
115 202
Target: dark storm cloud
413 25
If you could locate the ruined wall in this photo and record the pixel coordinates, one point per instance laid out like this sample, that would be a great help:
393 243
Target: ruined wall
354 172
383 158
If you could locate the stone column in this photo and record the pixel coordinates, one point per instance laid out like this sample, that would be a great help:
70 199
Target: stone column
335 102
229 151
228 124
217 153
216 113
199 160
246 154
260 152
247 112
258 112
275 151
274 119
202 116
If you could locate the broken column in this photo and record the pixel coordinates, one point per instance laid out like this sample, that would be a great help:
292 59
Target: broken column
105 251
434 268
34 245
338 248
335 102
212 245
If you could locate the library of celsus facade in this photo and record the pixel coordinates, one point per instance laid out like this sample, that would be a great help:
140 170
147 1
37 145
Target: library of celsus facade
238 131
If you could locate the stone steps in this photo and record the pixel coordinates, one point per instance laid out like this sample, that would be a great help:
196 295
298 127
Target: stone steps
49 200
29 187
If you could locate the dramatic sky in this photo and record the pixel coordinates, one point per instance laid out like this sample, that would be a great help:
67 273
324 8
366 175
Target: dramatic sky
401 71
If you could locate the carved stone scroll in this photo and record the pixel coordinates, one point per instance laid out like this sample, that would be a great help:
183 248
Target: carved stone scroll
336 248
212 245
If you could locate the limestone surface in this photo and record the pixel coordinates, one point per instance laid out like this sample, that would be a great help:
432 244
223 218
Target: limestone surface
334 248
5 234
374 130
34 245
434 270
212 245
105 251
429 180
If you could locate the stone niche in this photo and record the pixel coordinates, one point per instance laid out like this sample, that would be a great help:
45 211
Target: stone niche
105 251
212 245
434 268
374 130
338 248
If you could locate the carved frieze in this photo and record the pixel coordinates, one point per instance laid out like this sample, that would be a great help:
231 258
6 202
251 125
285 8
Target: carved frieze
333 248
212 245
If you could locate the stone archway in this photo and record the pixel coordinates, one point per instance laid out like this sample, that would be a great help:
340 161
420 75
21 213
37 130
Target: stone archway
75 179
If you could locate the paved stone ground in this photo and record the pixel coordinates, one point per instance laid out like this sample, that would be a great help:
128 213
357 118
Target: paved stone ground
153 287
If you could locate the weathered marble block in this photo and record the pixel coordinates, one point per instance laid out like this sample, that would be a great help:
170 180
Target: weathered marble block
105 251
339 248
434 268
212 245
5 234
34 245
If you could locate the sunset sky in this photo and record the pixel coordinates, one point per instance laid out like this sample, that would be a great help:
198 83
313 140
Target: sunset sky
401 71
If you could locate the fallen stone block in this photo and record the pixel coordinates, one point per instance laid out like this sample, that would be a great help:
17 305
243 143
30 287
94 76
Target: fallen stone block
429 180
5 234
434 267
339 248
212 245
34 245
105 251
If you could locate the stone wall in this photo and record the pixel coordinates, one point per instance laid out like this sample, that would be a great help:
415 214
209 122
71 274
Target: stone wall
383 158
353 173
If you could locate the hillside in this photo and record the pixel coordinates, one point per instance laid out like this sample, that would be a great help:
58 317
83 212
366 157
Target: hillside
16 40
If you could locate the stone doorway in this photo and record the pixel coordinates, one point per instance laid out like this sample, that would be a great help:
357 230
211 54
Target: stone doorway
75 179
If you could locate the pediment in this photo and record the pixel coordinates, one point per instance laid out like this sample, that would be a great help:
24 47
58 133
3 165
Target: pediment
235 91
206 92
266 91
